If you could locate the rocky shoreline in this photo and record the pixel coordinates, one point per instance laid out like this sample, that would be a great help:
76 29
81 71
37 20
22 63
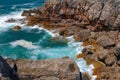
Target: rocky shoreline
96 23
54 69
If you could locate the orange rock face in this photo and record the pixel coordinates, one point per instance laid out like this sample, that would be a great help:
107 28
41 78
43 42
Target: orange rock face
81 55
97 66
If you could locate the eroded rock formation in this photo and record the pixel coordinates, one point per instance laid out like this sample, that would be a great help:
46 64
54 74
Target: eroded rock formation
56 69
94 22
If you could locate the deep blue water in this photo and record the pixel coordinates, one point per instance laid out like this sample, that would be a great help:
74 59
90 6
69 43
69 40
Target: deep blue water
7 6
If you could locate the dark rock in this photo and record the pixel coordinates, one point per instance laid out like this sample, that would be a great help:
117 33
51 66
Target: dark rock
6 71
118 51
16 28
85 76
115 65
106 41
118 62
62 32
11 20
26 13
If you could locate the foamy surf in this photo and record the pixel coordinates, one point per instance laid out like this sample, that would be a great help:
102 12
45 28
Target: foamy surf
81 62
3 18
29 45
41 28
25 44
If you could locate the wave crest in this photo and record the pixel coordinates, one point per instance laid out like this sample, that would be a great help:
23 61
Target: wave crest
24 43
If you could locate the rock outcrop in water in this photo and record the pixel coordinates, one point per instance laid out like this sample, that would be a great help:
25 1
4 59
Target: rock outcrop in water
16 28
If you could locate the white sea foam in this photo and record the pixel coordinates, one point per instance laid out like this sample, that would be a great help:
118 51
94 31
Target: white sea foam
4 25
81 62
73 43
41 28
29 45
25 44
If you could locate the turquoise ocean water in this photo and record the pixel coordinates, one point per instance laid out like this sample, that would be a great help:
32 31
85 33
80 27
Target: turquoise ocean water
10 41
33 43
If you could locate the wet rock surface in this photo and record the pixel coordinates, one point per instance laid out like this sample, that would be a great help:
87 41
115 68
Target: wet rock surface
16 28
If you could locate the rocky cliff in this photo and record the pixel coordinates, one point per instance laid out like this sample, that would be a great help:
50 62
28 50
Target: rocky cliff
96 23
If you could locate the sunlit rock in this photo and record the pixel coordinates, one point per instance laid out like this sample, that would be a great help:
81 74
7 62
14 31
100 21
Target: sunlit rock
48 69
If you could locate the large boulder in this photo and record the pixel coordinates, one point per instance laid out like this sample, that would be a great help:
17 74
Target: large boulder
83 35
110 13
105 11
103 54
110 60
106 41
55 69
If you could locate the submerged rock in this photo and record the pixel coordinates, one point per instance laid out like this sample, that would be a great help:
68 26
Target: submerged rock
11 20
56 69
59 40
